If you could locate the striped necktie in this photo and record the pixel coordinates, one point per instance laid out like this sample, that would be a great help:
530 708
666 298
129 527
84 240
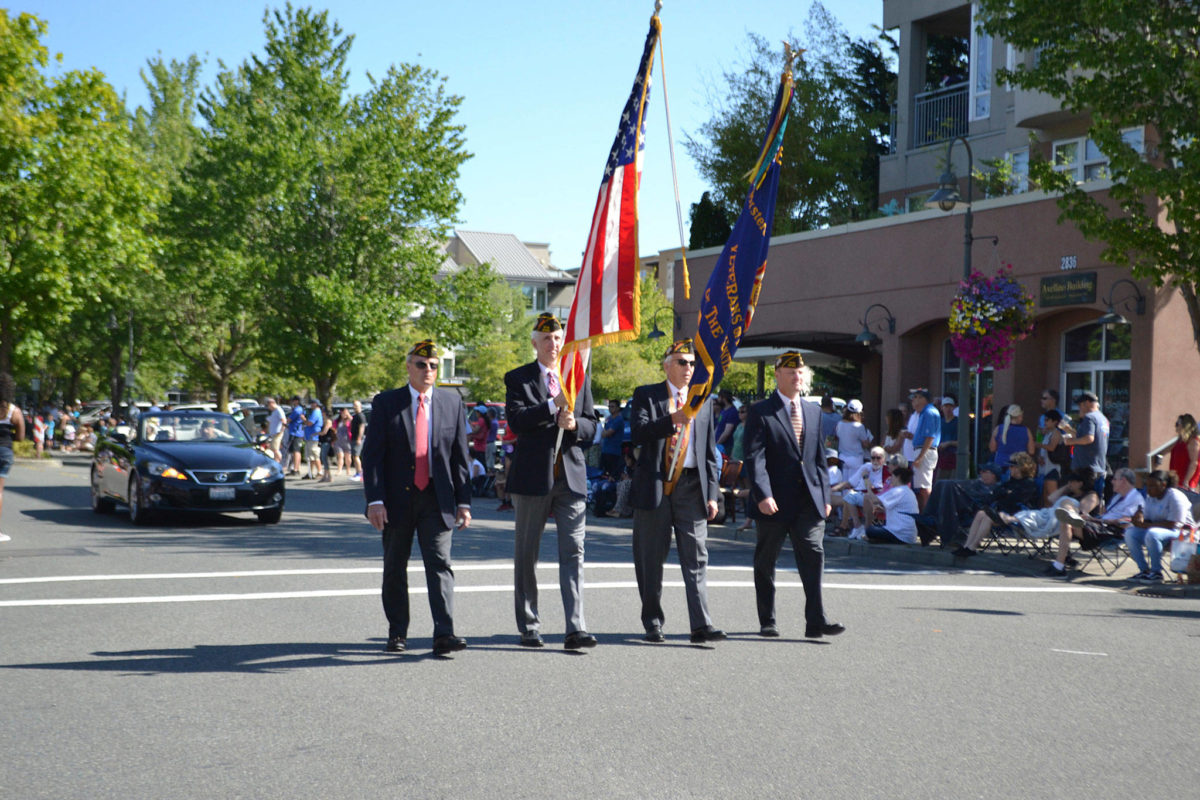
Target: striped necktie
797 424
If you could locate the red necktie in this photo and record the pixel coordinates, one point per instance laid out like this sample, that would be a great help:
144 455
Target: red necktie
421 451
552 383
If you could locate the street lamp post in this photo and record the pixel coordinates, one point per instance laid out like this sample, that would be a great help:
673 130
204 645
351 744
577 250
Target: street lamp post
947 197
656 333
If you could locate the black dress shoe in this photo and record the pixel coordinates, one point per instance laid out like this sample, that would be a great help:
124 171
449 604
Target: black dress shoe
578 640
828 629
655 635
532 639
708 634
396 644
443 645
770 631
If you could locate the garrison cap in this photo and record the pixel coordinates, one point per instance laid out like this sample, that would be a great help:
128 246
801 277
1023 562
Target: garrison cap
546 323
683 346
424 349
791 360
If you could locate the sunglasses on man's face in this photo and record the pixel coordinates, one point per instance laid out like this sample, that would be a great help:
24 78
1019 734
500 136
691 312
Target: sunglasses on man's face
425 364
686 362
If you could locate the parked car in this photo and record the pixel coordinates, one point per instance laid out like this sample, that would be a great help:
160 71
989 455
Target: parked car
251 417
181 461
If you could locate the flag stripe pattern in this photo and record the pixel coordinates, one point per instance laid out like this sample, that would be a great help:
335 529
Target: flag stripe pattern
606 307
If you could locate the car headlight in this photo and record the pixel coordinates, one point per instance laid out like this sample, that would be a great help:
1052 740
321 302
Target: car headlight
164 471
265 471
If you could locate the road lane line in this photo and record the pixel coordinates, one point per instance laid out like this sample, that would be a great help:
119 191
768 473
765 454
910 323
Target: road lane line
507 588
420 569
1077 652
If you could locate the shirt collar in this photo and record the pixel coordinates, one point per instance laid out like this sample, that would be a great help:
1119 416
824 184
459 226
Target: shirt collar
787 401
412 391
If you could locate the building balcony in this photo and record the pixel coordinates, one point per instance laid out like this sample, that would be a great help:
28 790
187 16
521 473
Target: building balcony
939 115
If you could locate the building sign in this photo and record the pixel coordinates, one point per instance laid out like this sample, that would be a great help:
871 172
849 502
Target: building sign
1078 288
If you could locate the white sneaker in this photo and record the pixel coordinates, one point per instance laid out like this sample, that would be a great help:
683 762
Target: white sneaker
1068 515
4 538
859 532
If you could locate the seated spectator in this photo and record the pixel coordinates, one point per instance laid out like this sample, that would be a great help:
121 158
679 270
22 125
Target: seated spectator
1077 492
1092 531
848 495
899 503
478 477
1054 457
1010 436
834 465
953 503
1167 510
1012 497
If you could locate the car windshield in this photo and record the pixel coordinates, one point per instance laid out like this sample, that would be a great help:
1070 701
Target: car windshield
191 428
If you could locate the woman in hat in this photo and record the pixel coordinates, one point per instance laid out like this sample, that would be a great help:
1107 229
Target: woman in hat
852 437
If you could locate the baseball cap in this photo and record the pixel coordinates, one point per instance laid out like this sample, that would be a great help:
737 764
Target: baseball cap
854 406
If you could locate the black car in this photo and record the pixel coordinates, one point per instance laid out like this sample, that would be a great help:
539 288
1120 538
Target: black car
185 461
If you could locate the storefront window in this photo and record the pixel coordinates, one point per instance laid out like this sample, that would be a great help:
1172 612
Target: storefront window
981 394
1096 358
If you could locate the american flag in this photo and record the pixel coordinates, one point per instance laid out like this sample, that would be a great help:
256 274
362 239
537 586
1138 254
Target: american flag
607 303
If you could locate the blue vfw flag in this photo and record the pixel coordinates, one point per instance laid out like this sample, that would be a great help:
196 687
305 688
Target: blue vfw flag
727 305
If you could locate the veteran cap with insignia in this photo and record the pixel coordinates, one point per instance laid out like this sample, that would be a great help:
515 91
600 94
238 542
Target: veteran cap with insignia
789 360
546 323
682 346
424 349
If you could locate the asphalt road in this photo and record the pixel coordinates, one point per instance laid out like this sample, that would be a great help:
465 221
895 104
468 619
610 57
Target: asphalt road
215 657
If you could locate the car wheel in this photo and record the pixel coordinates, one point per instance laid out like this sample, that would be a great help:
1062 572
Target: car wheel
138 513
270 516
100 503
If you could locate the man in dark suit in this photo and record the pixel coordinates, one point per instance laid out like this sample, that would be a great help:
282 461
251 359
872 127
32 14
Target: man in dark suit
541 484
416 475
789 492
681 503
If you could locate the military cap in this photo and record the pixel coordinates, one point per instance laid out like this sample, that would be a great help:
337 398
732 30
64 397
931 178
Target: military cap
791 360
683 346
424 349
546 323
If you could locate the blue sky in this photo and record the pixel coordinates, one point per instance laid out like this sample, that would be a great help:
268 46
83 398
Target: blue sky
543 83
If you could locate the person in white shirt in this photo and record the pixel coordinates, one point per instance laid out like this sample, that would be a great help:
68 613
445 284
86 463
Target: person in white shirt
1166 512
275 420
852 437
900 508
1092 531
848 494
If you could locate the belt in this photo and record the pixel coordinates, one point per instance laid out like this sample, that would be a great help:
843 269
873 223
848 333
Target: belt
694 471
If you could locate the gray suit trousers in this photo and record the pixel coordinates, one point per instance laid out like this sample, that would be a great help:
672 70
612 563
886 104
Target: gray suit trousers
683 513
569 517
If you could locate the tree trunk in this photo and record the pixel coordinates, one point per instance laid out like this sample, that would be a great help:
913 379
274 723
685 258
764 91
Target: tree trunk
1188 290
221 383
6 344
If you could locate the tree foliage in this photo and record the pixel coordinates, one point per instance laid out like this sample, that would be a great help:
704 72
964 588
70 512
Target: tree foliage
75 203
1122 64
708 224
837 130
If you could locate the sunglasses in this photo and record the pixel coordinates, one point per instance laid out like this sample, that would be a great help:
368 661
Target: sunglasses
686 362
425 364
877 458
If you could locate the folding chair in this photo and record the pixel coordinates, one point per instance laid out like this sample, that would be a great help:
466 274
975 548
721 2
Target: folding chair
1109 554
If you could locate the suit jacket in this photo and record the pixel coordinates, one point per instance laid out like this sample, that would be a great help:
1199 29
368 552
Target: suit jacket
774 465
387 456
527 407
650 428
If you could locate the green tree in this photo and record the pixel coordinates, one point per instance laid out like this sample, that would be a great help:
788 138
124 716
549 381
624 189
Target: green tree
75 199
1122 64
333 205
834 136
708 224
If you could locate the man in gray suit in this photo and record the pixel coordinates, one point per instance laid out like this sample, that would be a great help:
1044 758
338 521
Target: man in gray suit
541 485
789 492
681 503
417 481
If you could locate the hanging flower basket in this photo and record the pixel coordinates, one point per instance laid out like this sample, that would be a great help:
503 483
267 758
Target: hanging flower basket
988 317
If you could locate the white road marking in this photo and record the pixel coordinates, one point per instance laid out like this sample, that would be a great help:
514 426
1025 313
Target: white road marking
507 588
1077 652
418 568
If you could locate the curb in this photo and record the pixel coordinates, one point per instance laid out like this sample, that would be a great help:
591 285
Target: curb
52 463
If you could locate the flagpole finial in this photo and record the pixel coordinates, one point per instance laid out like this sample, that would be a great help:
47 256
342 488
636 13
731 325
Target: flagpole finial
791 55
657 7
